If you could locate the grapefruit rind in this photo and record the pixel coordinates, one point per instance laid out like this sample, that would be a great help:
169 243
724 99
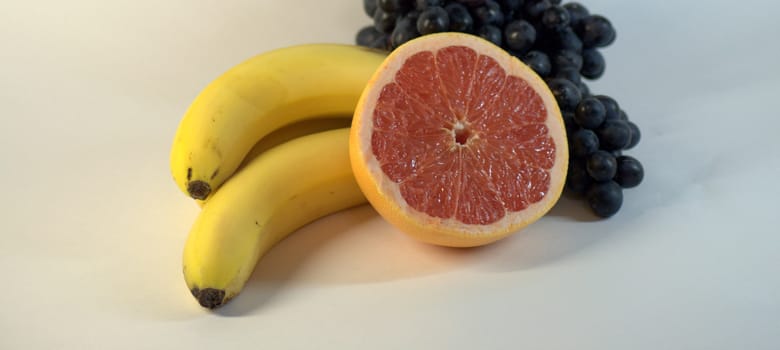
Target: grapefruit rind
383 193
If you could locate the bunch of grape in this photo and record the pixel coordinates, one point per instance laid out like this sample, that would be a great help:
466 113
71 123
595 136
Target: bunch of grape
561 43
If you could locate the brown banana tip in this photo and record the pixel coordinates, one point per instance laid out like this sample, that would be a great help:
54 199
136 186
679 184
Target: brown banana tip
210 298
198 189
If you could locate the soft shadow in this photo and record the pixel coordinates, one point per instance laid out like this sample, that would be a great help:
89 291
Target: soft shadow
572 207
567 230
357 246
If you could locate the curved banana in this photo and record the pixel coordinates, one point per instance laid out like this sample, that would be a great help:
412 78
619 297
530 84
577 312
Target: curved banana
287 133
281 190
258 96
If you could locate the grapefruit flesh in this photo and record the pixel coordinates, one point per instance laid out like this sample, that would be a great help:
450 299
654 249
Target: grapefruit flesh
458 143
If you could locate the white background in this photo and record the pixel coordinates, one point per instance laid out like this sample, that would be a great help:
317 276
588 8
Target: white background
92 225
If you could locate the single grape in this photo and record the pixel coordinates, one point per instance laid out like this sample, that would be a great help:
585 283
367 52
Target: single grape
534 9
384 21
577 12
584 90
601 165
555 18
369 6
405 30
569 73
636 135
593 64
397 6
629 172
490 33
421 5
590 113
381 43
614 134
367 35
519 36
566 93
566 58
471 3
539 62
577 178
433 20
566 39
460 18
605 198
613 109
569 123
510 5
596 31
489 14
584 142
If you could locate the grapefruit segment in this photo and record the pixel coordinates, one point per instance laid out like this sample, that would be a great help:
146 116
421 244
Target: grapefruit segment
457 143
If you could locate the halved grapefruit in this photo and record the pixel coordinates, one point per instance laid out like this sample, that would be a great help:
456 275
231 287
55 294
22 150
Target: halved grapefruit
457 143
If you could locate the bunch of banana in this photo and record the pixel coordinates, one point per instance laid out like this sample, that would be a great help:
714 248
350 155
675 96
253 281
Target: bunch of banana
264 148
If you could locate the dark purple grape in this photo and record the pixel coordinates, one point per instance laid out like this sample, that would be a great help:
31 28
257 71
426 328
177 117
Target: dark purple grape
596 31
566 39
577 178
569 73
605 198
534 9
471 3
381 43
519 36
396 6
601 165
367 35
488 14
566 93
384 21
636 135
421 5
629 172
614 134
590 113
584 142
405 29
539 62
490 33
555 18
433 20
509 6
460 18
369 6
577 13
612 107
566 58
584 90
623 115
593 64
569 123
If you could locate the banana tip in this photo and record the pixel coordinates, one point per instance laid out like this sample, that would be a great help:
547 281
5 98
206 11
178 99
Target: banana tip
198 189
209 297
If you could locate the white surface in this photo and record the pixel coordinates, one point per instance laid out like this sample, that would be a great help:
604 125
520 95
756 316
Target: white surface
93 225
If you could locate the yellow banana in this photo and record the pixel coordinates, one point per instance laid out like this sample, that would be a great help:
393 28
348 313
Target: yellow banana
276 193
290 132
258 96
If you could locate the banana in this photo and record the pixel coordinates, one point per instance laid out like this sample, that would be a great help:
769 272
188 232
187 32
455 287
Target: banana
261 95
276 193
287 133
